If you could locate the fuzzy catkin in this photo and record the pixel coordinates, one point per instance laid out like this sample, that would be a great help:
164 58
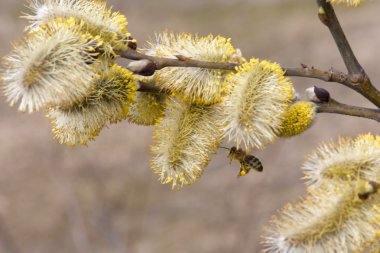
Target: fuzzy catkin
93 16
330 219
184 140
345 160
113 92
147 108
50 67
254 109
194 85
298 118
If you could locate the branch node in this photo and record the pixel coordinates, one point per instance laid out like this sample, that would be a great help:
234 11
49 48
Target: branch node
132 44
323 17
358 78
182 57
330 74
142 67
342 77
318 95
322 94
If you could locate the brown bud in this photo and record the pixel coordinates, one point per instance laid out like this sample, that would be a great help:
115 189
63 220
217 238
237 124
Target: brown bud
364 196
322 94
132 43
142 67
375 187
323 17
181 57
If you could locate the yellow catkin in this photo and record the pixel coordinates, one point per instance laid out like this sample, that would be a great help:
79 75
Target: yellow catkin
50 67
92 15
254 109
298 118
114 90
348 159
195 85
331 218
184 140
147 109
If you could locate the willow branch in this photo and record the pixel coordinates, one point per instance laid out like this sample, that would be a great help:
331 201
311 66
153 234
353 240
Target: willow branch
329 18
335 107
327 76
308 72
161 62
332 75
357 75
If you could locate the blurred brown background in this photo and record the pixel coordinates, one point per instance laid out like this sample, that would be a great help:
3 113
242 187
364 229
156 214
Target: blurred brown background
104 197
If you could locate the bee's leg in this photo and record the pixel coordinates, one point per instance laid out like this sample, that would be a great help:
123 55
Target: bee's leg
231 158
243 169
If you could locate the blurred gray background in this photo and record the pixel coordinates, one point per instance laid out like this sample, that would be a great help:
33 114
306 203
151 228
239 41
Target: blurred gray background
104 197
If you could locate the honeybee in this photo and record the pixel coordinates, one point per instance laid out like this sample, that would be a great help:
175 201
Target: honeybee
247 161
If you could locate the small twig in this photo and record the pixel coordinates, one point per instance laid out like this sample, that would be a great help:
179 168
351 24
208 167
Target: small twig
334 106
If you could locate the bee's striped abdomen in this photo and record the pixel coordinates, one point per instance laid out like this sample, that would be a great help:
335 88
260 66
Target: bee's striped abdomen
253 162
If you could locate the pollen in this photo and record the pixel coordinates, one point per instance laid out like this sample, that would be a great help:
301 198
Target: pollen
298 118
147 109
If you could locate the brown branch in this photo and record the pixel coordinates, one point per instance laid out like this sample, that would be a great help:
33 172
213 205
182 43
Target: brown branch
335 107
305 71
161 62
331 75
365 88
328 17
357 75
